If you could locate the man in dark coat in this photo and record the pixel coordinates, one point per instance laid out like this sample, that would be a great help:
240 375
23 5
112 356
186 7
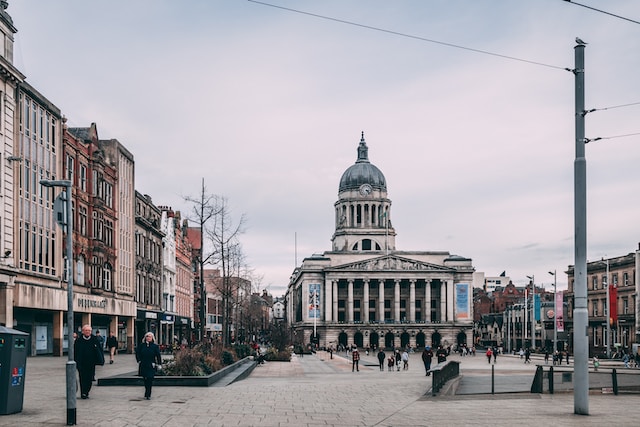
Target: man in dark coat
85 350
427 356
441 354
381 357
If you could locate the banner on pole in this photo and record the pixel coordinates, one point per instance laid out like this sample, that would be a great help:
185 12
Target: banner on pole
314 301
462 301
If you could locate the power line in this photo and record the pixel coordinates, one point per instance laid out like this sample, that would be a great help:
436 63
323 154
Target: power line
588 140
396 33
612 107
602 11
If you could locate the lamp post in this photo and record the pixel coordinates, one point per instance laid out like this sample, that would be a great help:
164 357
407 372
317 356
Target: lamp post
608 313
555 312
71 363
533 311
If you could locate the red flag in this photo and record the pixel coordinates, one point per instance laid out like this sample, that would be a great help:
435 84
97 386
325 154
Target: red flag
613 305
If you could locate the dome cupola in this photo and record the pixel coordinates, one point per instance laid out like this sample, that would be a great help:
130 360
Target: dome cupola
362 172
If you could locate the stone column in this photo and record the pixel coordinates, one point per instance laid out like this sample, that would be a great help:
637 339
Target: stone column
328 300
130 325
450 301
443 301
381 301
412 300
350 301
396 301
334 284
6 301
58 333
364 315
427 301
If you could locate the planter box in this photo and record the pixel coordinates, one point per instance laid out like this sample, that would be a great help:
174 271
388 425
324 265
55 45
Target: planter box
132 379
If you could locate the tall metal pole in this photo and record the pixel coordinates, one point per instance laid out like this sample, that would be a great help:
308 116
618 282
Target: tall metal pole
71 363
608 311
555 311
580 315
533 311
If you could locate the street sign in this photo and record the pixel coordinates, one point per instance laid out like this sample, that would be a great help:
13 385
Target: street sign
60 209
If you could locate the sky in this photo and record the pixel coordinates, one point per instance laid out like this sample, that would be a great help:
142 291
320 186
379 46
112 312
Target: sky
466 108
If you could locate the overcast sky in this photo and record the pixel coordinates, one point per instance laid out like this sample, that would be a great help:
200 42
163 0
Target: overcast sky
267 105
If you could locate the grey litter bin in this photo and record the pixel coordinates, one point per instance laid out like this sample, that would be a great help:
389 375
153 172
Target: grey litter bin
13 364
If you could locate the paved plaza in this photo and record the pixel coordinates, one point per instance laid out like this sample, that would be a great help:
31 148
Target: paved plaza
316 390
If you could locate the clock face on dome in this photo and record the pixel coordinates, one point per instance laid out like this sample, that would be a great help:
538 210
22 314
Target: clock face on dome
365 189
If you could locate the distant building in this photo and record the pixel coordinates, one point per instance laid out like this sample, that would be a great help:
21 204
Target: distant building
620 277
364 291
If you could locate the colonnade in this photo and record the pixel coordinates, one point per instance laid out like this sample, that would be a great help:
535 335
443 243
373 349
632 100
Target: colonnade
438 290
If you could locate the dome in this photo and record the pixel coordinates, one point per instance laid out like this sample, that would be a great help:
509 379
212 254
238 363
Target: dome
362 172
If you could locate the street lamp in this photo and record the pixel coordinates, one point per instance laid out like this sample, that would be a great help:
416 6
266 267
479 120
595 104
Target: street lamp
71 363
555 312
607 310
533 310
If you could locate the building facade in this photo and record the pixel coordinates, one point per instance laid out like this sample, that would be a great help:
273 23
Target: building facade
367 293
617 277
148 266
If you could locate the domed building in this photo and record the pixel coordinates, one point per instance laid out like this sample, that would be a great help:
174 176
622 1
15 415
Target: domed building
364 291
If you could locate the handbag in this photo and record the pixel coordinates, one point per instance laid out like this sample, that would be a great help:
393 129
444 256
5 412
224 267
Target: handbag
99 355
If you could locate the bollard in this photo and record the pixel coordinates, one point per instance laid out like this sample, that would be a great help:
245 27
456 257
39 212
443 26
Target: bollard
614 380
493 383
551 379
536 386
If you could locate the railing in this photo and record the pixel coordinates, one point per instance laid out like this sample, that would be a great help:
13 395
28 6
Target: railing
443 372
608 380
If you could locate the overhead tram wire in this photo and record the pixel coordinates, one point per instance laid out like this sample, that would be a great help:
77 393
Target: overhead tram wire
396 33
602 11
611 108
588 140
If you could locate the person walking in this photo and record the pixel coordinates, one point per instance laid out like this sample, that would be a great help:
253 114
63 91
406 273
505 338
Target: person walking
427 356
85 350
112 345
398 358
489 354
148 357
405 360
495 354
381 358
355 358
390 362
527 355
441 354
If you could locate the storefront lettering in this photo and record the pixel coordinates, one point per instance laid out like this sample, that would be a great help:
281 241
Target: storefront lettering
90 303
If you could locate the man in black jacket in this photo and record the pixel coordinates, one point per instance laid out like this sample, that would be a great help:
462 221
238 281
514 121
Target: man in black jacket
85 350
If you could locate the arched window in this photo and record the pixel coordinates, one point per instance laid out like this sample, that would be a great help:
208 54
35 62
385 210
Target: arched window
106 276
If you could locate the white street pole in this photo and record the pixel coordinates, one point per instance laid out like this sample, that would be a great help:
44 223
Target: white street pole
555 311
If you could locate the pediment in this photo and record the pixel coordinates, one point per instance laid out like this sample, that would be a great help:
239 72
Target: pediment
390 263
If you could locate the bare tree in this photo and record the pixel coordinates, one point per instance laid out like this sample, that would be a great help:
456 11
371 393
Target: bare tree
227 253
203 208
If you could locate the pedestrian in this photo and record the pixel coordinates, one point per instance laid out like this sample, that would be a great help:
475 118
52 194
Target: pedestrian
85 349
398 359
112 345
521 353
427 355
546 357
381 358
625 360
489 354
100 339
567 354
596 363
148 357
355 358
390 362
495 354
405 360
441 354
527 355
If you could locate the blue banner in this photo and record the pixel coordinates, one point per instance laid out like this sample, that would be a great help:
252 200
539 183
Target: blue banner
314 301
462 301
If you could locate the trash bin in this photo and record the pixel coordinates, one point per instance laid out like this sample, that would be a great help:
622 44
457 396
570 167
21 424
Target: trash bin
13 363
